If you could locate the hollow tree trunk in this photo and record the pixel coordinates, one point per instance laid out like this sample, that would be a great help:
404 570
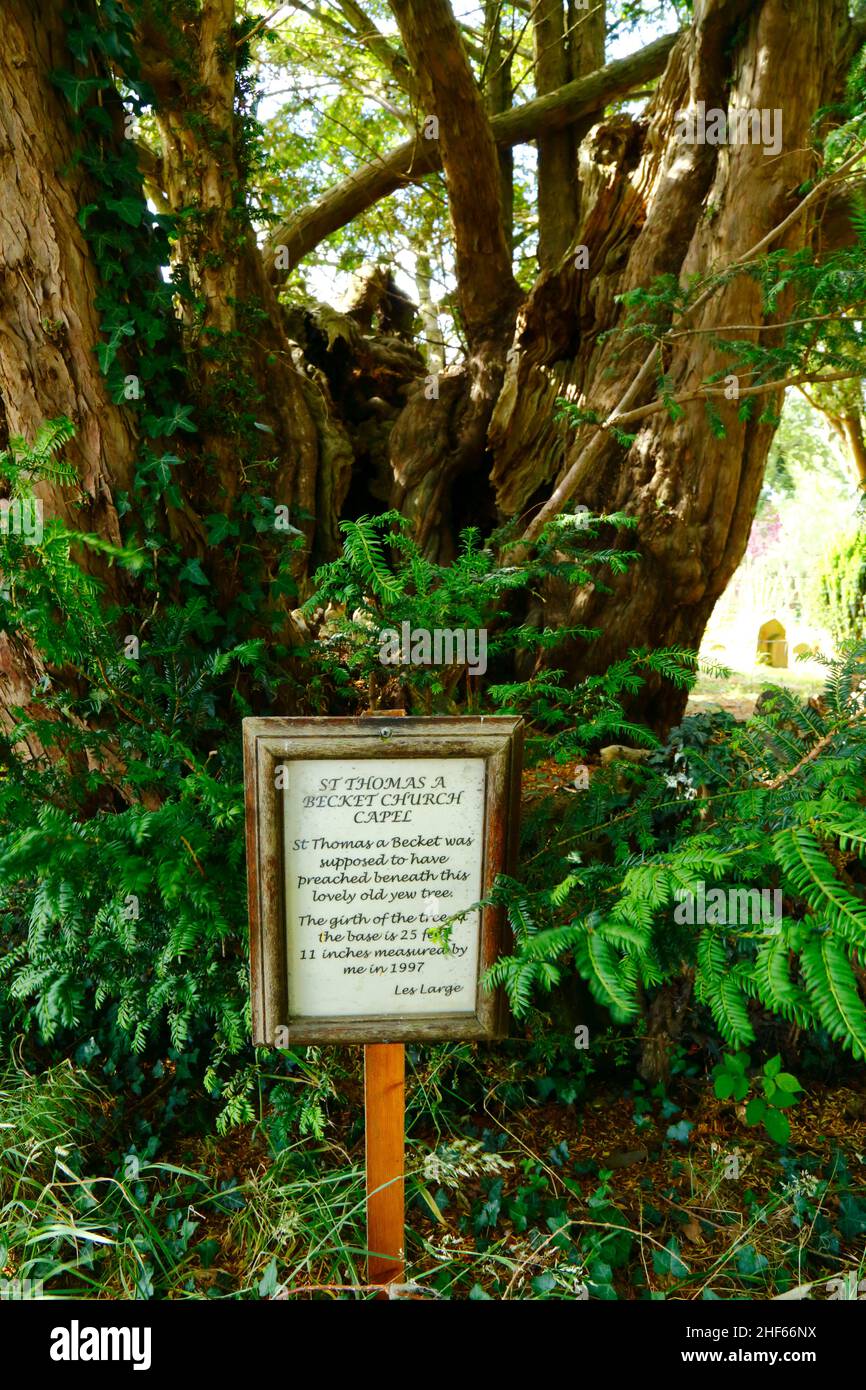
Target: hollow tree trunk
238 354
483 445
240 360
655 207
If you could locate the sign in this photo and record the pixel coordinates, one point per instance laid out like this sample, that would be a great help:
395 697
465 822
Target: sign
369 845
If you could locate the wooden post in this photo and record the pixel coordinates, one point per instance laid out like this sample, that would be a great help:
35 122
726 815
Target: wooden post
384 1085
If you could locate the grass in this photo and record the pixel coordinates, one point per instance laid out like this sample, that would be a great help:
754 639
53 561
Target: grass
626 1195
739 690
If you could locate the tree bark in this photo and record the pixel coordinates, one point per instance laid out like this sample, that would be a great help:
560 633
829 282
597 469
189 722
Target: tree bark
486 288
238 352
48 320
49 324
487 292
498 96
337 404
568 45
850 431
653 208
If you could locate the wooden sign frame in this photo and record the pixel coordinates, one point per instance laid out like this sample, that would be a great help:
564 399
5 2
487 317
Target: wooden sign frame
269 742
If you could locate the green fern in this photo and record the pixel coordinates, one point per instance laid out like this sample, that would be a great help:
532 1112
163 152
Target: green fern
833 991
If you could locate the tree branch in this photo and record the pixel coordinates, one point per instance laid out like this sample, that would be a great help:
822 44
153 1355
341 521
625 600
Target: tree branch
378 45
631 417
486 287
592 450
562 56
414 159
150 168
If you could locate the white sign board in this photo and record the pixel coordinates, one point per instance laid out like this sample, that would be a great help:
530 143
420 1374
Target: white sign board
378 854
372 848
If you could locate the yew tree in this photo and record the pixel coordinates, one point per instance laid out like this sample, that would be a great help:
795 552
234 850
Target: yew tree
607 324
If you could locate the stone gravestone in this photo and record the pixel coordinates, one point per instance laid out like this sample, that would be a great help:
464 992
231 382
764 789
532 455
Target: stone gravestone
772 643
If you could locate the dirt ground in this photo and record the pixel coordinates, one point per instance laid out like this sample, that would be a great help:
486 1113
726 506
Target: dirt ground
738 691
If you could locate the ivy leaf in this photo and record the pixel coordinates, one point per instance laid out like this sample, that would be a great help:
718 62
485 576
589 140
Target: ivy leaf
129 210
106 352
84 213
750 1261
668 1261
755 1110
181 420
681 1131
544 1283
207 1251
78 89
218 527
193 573
852 1217
268 1283
777 1126
600 1280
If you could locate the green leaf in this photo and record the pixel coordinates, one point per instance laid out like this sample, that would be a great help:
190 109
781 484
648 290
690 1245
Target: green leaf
78 89
219 527
777 1126
193 573
755 1110
680 1132
750 1262
544 1283
129 210
833 989
668 1261
268 1282
783 1099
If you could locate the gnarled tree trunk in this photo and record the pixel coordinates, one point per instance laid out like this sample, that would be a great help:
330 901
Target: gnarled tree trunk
651 206
346 409
683 210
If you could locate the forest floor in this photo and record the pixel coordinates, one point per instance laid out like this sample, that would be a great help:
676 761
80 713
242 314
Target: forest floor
625 1192
528 1175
